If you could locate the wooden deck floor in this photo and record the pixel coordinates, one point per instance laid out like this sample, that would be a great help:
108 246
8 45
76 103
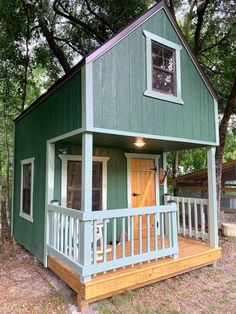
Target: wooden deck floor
193 254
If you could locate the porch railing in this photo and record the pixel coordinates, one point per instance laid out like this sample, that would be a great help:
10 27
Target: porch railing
148 237
192 216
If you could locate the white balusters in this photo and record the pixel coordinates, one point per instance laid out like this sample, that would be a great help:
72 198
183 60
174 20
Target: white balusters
123 237
202 221
162 230
169 230
94 241
189 218
132 236
195 219
196 208
104 240
114 239
183 217
105 228
178 217
148 233
140 230
155 233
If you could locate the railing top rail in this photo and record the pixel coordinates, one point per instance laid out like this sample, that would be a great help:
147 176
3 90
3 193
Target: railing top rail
127 212
112 213
184 198
66 211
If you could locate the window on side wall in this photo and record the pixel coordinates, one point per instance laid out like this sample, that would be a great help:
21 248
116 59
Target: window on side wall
163 69
27 176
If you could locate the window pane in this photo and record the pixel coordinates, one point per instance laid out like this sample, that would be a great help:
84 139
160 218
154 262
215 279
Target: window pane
169 64
97 185
158 61
74 185
26 193
163 81
157 49
163 60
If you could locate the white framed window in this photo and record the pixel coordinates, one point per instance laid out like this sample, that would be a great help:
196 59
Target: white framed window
163 69
27 185
71 172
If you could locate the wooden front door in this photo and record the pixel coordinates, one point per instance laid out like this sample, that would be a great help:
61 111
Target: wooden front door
143 189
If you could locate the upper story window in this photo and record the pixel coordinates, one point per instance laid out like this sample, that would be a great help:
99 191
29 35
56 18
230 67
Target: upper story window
27 175
163 69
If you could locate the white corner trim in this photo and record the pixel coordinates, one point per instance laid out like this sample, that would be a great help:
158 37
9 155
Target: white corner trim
65 159
149 91
49 192
22 214
88 95
216 122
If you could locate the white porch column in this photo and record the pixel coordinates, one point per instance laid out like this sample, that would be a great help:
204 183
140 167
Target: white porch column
212 198
49 193
86 201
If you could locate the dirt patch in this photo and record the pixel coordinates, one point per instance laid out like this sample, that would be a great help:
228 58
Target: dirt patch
208 290
27 287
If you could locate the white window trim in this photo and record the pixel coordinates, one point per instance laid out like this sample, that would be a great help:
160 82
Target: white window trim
149 91
64 161
22 214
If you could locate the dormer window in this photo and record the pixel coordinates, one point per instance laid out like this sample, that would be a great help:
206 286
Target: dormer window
163 69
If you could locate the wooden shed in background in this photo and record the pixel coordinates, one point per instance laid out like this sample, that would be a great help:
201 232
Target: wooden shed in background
195 185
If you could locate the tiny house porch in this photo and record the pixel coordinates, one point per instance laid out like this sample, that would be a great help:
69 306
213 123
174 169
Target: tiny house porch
175 245
149 241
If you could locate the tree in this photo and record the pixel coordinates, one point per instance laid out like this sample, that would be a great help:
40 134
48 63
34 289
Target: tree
211 30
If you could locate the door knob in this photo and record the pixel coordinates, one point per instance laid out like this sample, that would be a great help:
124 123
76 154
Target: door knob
136 194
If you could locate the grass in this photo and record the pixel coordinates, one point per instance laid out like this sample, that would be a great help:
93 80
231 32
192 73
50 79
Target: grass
232 285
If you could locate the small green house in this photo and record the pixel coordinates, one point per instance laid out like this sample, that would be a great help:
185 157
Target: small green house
90 163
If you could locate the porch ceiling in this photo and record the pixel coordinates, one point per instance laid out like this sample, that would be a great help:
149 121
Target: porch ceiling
127 142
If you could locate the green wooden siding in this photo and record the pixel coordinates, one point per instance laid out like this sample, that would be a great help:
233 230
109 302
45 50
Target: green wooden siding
58 114
119 80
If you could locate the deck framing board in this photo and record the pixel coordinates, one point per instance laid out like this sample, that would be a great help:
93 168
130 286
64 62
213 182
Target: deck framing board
193 255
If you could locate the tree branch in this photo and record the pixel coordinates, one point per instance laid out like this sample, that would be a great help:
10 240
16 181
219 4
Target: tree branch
58 53
201 9
85 27
101 19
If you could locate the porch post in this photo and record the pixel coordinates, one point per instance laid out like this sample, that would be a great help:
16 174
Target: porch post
49 193
212 198
86 201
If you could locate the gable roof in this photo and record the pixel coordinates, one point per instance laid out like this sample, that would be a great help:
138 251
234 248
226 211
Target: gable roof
111 42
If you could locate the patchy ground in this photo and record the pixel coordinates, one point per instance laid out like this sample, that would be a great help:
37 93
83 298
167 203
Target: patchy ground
27 287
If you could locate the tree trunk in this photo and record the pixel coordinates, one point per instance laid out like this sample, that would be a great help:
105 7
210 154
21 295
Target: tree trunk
222 137
1 220
57 51
6 207
175 169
